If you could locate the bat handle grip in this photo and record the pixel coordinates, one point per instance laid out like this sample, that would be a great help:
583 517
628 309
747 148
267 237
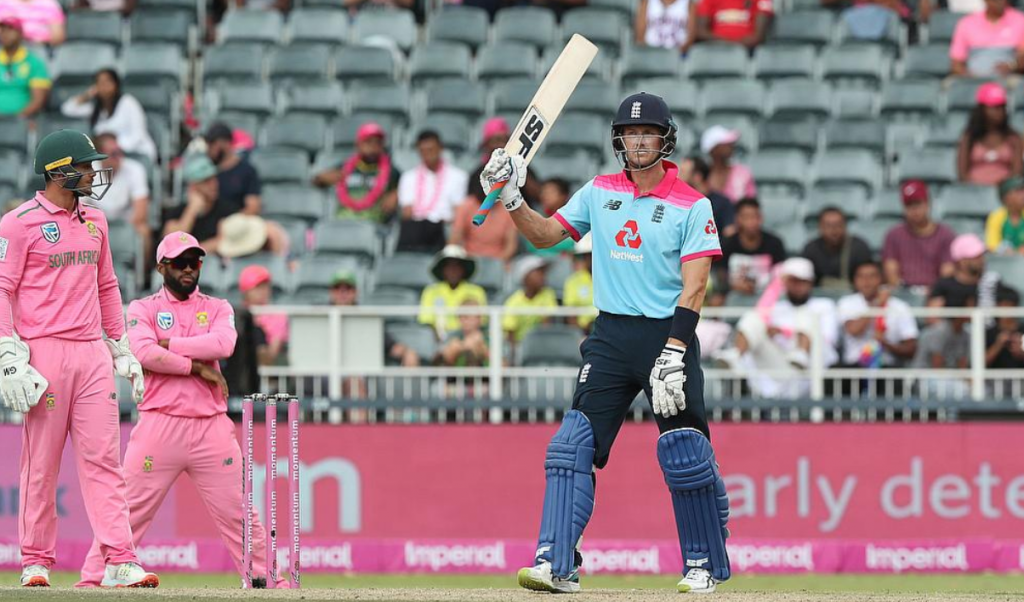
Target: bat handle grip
485 207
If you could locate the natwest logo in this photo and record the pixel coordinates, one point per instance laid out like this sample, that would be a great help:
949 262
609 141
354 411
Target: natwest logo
629 236
711 228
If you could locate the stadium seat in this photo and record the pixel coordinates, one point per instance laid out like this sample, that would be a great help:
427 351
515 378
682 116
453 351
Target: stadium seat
355 238
794 236
874 231
397 25
781 170
490 275
850 199
257 99
280 165
716 61
777 62
946 132
1009 267
284 202
253 26
459 23
904 137
11 167
513 96
640 62
170 28
382 99
866 134
576 169
601 26
154 62
439 60
76 64
743 97
910 100
624 7
967 225
849 166
965 200
156 97
405 270
533 25
463 97
578 132
594 98
941 26
788 134
50 123
247 122
418 337
800 99
780 209
186 7
315 274
814 27
600 68
681 97
748 133
365 63
492 61
125 246
452 129
95 26
304 132
315 25
861 66
301 63
551 345
933 165
14 134
856 104
234 63
887 204
320 98
389 297
961 94
926 62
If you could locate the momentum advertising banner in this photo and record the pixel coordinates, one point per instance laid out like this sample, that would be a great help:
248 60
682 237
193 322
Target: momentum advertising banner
466 498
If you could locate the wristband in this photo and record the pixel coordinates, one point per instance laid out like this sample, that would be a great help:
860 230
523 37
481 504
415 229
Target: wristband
684 324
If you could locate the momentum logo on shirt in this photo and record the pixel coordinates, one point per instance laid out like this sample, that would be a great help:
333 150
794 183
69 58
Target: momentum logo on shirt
69 258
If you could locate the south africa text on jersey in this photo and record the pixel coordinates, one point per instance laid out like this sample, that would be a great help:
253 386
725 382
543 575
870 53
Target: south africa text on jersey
61 260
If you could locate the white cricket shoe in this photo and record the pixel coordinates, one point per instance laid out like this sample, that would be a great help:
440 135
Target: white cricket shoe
538 578
697 581
35 575
128 574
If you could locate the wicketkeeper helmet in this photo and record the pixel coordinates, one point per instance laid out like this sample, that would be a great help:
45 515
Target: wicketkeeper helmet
60 151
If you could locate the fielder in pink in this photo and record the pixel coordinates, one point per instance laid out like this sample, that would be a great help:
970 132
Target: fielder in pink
178 335
58 292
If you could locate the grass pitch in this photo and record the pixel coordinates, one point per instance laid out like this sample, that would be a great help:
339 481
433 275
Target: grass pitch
186 587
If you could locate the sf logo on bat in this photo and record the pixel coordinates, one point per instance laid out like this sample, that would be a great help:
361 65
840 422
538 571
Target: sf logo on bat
531 132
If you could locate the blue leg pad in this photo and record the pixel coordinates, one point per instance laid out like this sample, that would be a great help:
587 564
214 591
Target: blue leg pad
569 496
698 498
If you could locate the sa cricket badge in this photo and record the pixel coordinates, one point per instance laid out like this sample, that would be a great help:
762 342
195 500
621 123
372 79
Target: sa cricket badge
202 318
165 320
51 232
93 230
147 464
51 402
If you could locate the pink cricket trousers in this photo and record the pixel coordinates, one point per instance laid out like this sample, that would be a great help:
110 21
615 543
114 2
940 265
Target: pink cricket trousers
81 401
160 449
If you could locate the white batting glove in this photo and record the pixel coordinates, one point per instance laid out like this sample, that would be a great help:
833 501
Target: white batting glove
21 385
503 168
667 380
126 366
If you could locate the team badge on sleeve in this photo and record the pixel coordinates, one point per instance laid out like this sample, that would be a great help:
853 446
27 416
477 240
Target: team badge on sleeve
164 320
202 318
147 464
3 248
51 402
51 232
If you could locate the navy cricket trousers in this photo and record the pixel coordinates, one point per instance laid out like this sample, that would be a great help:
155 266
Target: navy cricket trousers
617 361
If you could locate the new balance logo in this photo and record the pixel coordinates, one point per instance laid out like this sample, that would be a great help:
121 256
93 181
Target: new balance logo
584 373
613 205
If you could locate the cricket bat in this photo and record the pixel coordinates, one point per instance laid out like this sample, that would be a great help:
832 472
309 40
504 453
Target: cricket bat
547 104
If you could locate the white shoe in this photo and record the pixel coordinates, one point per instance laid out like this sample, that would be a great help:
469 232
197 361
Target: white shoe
697 581
128 574
35 575
539 579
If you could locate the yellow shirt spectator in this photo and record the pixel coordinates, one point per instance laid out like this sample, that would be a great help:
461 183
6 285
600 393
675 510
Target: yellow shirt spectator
519 325
441 295
579 292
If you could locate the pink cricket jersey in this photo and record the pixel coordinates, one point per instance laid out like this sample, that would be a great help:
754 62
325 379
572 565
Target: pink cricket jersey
200 328
56 274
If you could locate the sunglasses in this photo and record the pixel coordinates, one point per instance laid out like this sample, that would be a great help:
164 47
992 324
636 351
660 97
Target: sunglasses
180 263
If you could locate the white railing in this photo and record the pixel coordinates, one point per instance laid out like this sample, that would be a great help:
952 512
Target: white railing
502 381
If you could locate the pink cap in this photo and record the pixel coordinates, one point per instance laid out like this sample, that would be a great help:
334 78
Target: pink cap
252 276
175 244
368 129
241 140
966 246
991 95
495 126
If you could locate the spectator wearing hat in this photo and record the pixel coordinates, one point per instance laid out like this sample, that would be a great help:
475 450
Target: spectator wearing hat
835 253
531 272
240 235
240 185
886 341
109 109
254 282
26 84
127 199
366 184
969 278
200 214
916 252
42 21
453 269
579 286
743 22
749 255
732 180
988 43
1004 227
428 195
989 150
494 136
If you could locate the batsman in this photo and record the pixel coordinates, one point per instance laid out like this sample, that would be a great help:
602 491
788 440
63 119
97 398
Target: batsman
654 239
58 296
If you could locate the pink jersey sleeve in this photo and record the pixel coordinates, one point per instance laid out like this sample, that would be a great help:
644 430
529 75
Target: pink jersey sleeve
13 254
111 312
958 47
143 339
217 344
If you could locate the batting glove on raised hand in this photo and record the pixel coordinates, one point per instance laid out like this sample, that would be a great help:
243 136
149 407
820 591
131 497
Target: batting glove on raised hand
503 168
21 385
126 366
667 380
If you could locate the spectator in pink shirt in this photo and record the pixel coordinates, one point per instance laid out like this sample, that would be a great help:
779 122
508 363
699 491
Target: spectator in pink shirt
255 285
42 20
989 42
730 179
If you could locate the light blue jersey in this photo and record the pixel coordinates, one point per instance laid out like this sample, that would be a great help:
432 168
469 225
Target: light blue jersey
640 243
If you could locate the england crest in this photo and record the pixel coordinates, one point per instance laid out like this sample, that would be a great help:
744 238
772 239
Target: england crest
164 320
51 232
